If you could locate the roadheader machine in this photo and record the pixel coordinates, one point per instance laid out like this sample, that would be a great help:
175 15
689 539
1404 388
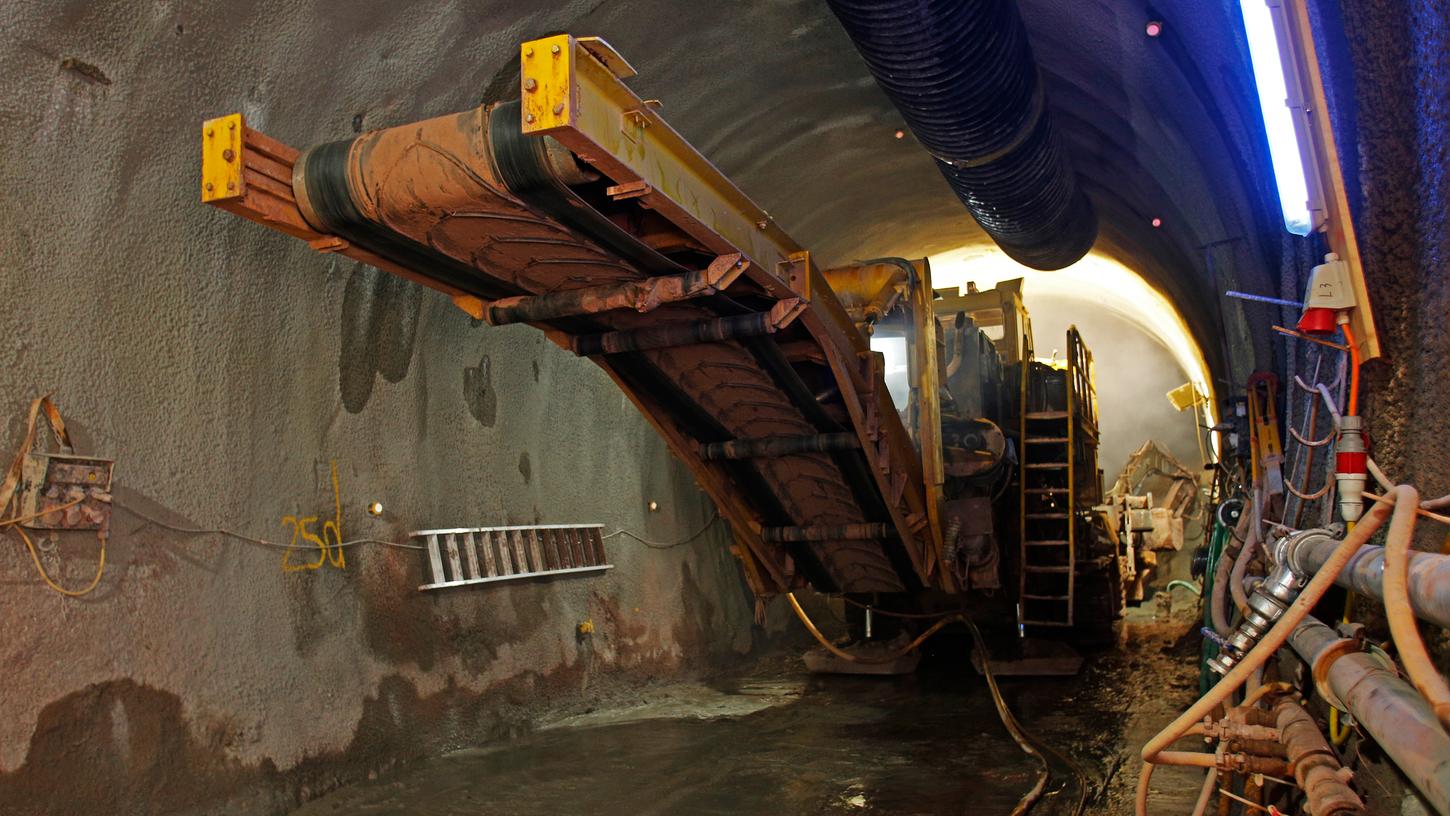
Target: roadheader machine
963 475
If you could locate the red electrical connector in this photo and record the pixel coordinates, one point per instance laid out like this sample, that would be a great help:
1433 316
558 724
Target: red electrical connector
1350 469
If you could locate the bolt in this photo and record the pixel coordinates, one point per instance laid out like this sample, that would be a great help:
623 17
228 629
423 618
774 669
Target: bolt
231 125
559 108
555 50
760 224
231 185
529 52
529 118
228 154
530 84
209 133
210 187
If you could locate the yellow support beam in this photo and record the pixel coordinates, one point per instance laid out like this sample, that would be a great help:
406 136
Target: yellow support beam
573 90
221 158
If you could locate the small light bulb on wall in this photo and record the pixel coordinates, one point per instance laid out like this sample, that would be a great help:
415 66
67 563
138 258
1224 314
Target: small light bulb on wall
901 134
654 506
375 508
1157 222
1154 28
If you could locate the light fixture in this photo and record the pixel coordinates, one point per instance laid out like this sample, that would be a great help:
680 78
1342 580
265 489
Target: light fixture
375 508
1274 99
901 134
654 506
1157 222
1153 28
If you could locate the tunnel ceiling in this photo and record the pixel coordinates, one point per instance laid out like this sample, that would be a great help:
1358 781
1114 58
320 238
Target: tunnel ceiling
772 91
1164 127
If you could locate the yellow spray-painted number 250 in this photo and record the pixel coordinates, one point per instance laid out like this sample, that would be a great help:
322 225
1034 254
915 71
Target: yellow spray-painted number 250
329 545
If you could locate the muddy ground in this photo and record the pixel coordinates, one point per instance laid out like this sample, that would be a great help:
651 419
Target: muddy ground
777 740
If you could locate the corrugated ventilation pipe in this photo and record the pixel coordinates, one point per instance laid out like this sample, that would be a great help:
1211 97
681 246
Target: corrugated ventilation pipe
962 74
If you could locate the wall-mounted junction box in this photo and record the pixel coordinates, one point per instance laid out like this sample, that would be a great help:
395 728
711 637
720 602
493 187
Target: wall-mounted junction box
53 480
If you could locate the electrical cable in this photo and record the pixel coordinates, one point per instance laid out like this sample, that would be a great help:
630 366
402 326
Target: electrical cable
903 615
661 545
1352 409
261 542
868 661
44 576
1023 739
1013 727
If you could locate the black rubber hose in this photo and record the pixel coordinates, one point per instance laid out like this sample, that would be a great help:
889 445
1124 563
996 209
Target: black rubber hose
961 73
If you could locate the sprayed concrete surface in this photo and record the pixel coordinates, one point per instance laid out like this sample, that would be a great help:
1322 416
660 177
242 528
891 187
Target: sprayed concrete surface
226 367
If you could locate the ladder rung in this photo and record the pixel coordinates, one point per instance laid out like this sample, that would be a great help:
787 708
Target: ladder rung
1047 415
1048 542
1046 597
1048 491
1047 569
1046 440
1048 466
1026 622
1048 516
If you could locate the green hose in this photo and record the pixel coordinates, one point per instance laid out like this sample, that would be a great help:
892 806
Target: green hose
1188 585
1209 649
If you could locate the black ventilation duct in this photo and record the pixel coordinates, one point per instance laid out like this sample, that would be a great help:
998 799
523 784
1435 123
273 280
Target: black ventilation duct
962 74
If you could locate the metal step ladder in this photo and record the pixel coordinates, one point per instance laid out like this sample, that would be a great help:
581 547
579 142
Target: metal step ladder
1048 535
482 555
1060 484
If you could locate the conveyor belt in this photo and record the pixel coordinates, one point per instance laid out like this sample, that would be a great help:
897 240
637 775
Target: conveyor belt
470 203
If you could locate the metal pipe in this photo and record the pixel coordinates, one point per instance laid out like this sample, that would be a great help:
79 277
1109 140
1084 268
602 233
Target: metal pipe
963 77
1387 707
840 532
1429 580
771 447
672 335
1316 766
638 295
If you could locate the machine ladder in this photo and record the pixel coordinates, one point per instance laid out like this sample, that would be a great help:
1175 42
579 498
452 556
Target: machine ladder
1060 483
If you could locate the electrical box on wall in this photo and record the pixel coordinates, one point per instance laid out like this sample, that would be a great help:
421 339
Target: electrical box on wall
65 492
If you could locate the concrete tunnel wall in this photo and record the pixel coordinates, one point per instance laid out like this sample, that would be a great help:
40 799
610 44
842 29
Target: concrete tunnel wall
224 365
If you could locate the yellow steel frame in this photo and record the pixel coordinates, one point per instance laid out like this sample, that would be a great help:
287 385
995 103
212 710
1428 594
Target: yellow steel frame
573 91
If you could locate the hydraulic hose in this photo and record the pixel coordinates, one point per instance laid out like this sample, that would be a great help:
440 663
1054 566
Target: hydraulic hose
963 77
1406 633
1155 751
1220 619
1251 545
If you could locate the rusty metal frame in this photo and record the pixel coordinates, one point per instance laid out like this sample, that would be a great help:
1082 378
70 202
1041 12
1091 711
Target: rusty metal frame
248 173
573 91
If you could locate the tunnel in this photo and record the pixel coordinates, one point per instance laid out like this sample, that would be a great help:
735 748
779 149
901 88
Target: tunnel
670 407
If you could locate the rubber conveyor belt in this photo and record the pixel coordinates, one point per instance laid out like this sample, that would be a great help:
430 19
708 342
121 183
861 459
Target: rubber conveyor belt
470 202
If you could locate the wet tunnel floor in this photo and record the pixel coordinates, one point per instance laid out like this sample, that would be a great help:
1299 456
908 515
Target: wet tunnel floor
790 743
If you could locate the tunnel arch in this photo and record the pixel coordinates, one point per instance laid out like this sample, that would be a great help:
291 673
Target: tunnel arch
1101 284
